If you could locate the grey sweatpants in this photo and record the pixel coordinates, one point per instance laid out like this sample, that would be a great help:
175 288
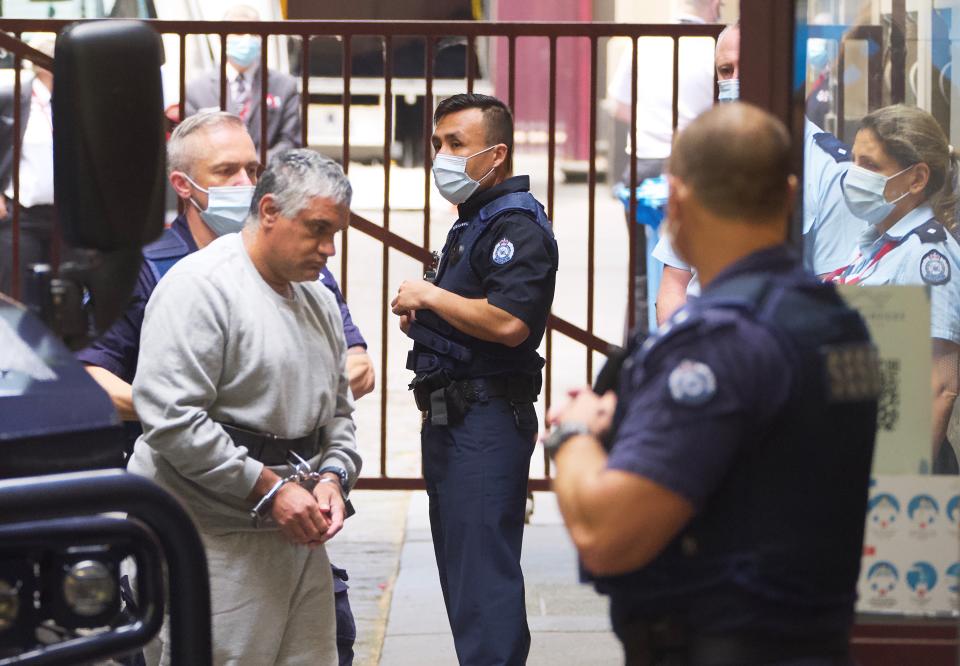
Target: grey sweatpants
272 602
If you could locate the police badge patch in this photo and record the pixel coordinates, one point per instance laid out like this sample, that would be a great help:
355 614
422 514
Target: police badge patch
692 383
502 252
934 268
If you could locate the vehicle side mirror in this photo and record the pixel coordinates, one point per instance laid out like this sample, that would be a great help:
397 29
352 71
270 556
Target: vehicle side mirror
109 153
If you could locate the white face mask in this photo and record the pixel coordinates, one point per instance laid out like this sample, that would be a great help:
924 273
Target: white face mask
450 175
227 206
729 90
863 191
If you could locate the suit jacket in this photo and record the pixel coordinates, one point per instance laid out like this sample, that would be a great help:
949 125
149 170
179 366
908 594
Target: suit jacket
6 126
283 105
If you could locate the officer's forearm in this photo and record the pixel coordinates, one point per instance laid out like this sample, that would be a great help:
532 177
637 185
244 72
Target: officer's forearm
580 461
618 521
120 392
476 317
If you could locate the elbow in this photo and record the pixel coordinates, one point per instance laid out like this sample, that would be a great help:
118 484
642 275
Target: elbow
607 556
513 333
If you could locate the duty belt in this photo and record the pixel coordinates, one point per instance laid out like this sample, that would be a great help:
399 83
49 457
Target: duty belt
448 400
270 449
648 642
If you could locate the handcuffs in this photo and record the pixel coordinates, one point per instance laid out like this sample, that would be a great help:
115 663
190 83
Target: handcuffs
301 473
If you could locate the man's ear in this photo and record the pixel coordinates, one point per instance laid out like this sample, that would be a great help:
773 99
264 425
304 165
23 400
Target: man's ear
499 155
180 184
268 210
793 187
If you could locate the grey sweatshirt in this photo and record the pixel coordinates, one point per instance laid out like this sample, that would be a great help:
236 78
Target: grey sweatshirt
218 344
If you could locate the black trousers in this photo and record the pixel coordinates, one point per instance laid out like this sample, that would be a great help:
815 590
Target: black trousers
36 242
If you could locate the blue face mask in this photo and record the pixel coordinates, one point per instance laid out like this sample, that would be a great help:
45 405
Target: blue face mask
864 192
729 90
243 50
227 207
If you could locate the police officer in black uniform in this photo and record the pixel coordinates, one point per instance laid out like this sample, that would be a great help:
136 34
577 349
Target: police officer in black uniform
718 495
476 327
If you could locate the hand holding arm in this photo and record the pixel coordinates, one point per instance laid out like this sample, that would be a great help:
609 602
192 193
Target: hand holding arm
473 316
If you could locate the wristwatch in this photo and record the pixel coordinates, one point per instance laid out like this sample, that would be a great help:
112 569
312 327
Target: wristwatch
342 474
562 433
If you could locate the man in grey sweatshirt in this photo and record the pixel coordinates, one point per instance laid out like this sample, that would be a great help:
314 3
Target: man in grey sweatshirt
242 360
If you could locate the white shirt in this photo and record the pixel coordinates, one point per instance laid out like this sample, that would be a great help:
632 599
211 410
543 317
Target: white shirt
655 88
36 155
219 345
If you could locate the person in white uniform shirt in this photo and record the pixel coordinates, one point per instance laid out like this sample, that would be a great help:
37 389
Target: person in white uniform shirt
903 185
829 230
241 369
36 216
655 87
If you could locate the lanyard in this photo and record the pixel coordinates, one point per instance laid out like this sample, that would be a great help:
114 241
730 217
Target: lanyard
840 275
44 108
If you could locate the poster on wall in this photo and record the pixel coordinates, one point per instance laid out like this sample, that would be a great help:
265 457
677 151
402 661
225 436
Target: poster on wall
899 322
911 552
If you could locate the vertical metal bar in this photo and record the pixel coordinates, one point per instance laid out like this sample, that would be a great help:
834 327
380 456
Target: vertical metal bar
898 52
223 71
676 83
632 217
384 297
471 74
591 204
552 125
427 134
551 155
305 90
347 71
183 76
17 136
264 89
512 72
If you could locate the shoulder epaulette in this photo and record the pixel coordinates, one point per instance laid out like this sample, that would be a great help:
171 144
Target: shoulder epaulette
834 147
515 201
930 232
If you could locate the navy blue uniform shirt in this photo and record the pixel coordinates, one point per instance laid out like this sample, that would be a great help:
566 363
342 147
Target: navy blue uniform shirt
756 402
685 440
522 285
117 349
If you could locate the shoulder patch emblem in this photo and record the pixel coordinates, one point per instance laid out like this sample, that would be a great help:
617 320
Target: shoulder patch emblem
502 252
692 383
935 268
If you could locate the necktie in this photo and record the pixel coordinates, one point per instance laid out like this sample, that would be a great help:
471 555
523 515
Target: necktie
240 98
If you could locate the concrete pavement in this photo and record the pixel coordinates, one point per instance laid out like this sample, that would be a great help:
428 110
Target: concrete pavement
396 595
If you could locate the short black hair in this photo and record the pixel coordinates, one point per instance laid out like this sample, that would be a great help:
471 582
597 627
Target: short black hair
496 116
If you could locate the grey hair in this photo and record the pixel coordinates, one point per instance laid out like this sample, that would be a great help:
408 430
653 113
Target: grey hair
179 157
296 176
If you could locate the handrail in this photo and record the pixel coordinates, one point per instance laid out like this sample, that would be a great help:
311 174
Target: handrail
406 28
25 51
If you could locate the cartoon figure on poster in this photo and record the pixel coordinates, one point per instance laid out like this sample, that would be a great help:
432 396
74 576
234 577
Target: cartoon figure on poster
882 511
953 576
953 511
921 579
923 512
882 579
